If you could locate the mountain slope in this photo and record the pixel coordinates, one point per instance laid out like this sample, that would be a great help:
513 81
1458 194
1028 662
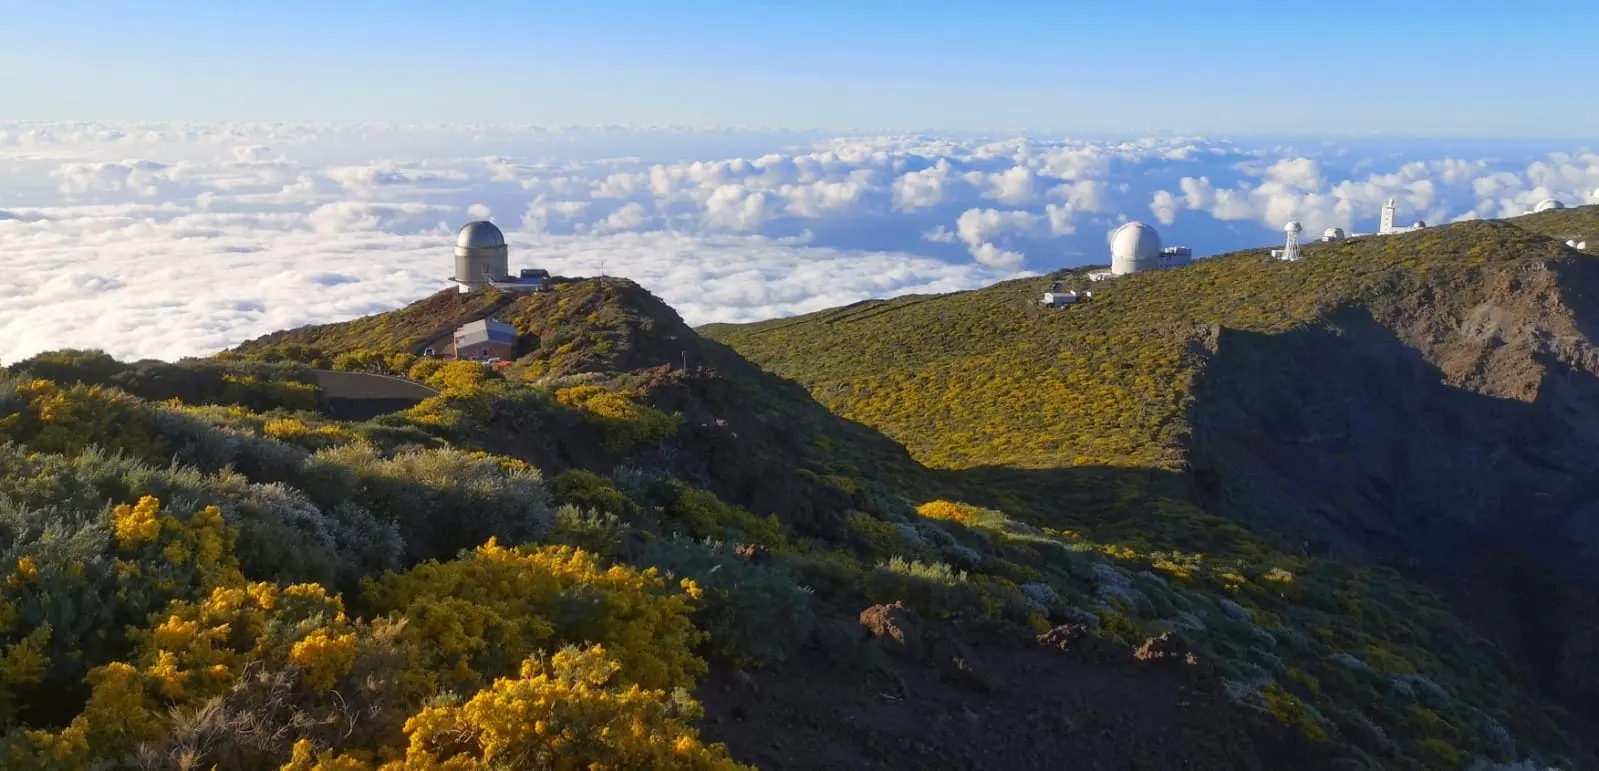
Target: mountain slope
1423 401
1115 535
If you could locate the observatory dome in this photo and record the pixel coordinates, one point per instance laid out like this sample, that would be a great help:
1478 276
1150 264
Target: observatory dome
480 234
481 257
1419 225
1293 227
1547 204
1332 234
1134 247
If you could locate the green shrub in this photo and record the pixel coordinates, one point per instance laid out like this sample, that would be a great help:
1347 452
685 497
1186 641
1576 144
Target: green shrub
835 575
701 514
599 532
754 614
875 539
932 588
445 500
586 489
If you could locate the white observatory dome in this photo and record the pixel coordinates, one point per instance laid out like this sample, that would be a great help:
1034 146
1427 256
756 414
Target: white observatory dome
478 235
1134 247
1293 227
1547 204
1419 225
1332 234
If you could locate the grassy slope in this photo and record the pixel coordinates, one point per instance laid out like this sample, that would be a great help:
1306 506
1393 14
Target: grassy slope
990 378
1070 418
1045 405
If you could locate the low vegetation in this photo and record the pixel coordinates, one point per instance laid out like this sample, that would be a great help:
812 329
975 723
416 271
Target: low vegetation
535 568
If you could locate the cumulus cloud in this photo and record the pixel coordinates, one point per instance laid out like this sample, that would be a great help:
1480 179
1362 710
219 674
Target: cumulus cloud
629 217
201 235
1165 207
1015 185
732 207
921 189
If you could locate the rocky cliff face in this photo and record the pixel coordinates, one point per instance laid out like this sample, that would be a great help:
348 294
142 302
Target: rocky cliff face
1451 433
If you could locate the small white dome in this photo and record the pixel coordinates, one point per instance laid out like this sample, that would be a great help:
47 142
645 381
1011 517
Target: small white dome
1134 247
1333 234
1419 225
1547 204
1294 227
479 235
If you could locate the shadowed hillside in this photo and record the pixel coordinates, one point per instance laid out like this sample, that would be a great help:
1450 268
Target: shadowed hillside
1419 401
1160 530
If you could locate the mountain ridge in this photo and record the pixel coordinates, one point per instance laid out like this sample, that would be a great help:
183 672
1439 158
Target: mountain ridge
1146 531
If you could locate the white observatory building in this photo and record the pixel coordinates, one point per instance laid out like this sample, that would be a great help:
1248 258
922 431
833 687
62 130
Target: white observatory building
1136 247
1333 234
482 261
1385 224
1548 204
1290 250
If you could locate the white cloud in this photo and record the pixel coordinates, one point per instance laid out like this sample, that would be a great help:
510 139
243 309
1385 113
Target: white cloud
921 189
976 226
1299 173
1015 185
1165 207
995 257
205 234
1083 195
819 199
732 207
629 217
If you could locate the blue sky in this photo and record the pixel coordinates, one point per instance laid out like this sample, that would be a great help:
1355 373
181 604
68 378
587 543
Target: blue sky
1466 68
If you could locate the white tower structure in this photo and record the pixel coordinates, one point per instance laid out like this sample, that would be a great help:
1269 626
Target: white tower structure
1290 250
1134 247
1386 224
481 257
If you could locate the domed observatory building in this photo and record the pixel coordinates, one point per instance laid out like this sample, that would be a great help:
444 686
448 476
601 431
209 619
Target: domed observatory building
1549 204
1135 247
482 260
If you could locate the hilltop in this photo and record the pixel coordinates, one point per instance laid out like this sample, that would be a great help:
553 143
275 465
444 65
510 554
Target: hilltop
1238 515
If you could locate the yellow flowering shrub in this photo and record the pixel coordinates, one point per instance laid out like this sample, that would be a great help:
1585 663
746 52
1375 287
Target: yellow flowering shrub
462 377
260 394
307 758
22 663
572 712
70 419
623 423
172 553
473 618
324 656
115 720
963 514
311 437
201 646
27 570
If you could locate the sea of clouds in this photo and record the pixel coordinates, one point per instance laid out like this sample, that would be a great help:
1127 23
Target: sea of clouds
170 240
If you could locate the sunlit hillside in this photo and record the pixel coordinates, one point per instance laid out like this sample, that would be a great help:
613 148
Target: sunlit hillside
630 546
